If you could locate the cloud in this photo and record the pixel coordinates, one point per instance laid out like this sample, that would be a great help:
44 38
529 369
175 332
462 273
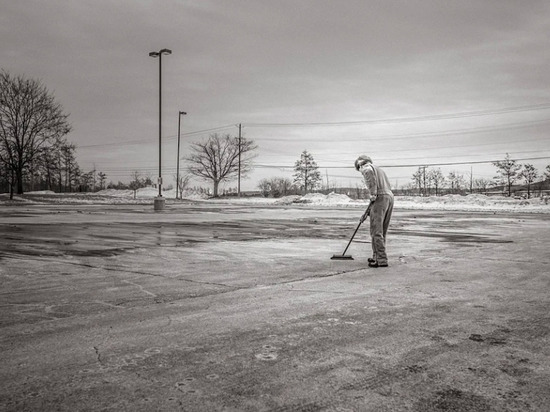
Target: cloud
278 62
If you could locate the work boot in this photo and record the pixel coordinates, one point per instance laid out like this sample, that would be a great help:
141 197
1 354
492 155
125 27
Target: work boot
377 265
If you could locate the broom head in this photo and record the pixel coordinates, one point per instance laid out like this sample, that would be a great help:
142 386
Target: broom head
342 257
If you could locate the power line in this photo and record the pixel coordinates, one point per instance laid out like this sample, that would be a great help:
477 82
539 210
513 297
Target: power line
277 166
486 129
370 138
409 165
408 136
465 163
130 142
542 106
229 126
431 157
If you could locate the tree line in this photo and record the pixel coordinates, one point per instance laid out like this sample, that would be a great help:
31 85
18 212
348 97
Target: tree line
426 181
34 153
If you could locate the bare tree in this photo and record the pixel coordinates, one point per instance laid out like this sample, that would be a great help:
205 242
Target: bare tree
529 175
508 171
409 188
93 174
71 168
45 166
456 180
136 182
482 184
87 181
281 186
417 178
275 186
265 187
102 178
217 159
182 184
29 119
5 174
436 177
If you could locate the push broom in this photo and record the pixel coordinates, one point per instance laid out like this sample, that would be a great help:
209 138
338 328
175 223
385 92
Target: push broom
343 256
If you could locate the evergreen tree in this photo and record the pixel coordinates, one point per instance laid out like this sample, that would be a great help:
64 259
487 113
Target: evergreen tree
306 172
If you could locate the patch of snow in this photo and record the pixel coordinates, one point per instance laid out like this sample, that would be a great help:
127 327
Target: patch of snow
287 200
331 199
42 192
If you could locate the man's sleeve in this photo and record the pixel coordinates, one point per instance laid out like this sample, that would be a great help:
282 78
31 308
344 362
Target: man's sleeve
370 182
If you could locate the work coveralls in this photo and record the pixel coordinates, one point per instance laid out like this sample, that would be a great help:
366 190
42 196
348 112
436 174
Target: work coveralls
379 192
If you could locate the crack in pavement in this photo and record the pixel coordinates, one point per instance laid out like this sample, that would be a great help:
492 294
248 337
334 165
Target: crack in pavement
140 288
117 269
98 354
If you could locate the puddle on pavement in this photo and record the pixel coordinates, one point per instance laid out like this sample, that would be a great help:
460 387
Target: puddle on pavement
106 239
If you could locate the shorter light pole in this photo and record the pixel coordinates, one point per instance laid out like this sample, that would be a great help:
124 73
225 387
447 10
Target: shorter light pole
178 162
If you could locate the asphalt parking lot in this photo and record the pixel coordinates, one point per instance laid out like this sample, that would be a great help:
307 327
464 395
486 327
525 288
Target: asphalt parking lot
239 308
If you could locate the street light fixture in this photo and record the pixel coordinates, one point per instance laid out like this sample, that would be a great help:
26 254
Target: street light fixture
178 162
159 201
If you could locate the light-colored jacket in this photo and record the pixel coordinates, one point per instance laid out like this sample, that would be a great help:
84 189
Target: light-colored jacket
376 181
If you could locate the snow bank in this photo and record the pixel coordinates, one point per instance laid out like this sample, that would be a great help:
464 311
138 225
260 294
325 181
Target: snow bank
325 200
150 193
116 193
473 202
43 192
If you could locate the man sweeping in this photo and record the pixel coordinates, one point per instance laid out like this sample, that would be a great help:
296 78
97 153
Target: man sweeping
381 207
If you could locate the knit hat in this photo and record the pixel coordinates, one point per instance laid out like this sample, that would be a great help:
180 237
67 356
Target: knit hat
361 160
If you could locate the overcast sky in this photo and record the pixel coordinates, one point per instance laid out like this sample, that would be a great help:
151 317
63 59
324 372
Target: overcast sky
405 82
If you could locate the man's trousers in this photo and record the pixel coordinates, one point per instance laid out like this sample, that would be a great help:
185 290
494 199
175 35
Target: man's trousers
380 216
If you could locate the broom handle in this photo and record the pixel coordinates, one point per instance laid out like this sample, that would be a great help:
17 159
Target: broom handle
356 229
352 236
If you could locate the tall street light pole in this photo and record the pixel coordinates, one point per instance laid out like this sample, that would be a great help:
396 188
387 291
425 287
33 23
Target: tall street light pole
178 162
159 201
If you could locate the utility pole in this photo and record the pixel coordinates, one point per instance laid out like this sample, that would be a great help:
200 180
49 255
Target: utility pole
178 161
239 179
